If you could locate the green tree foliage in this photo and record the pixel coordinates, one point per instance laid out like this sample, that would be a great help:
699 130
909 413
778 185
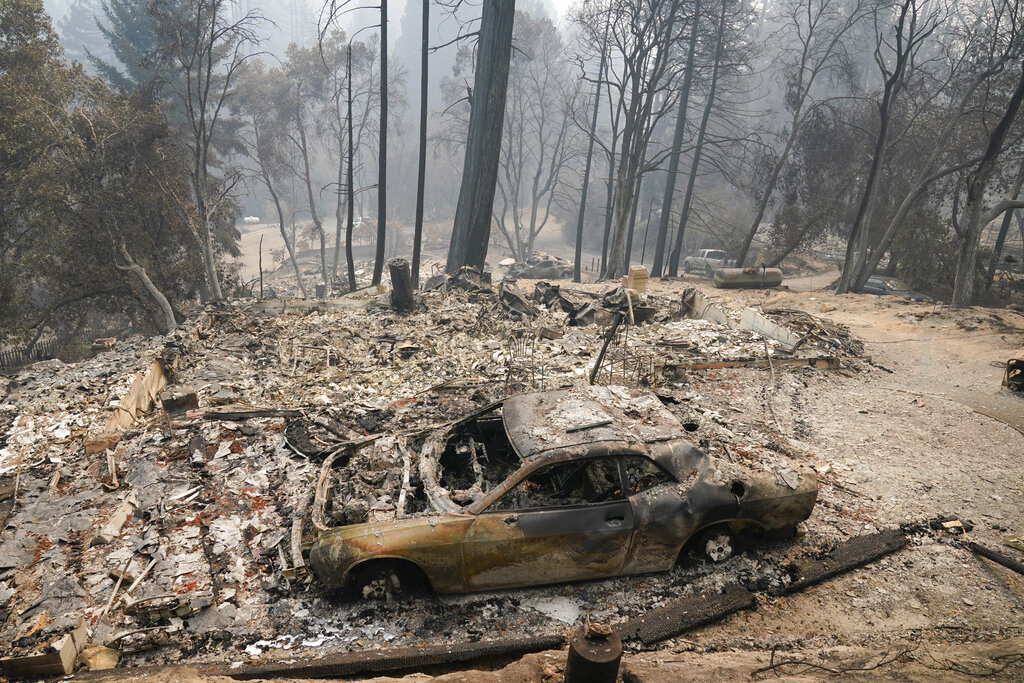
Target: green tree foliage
201 48
130 35
34 85
85 227
81 33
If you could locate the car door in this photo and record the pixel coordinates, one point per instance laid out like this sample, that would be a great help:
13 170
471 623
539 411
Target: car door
563 522
660 514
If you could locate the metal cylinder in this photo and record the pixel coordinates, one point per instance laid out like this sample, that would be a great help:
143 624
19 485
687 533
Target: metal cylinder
747 278
594 654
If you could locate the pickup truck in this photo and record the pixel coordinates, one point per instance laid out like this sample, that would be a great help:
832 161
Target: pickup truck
706 261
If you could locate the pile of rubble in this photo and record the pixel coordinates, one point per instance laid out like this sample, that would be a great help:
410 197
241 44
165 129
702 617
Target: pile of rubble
167 528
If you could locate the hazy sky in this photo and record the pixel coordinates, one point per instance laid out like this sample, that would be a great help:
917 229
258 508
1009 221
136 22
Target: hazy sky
396 8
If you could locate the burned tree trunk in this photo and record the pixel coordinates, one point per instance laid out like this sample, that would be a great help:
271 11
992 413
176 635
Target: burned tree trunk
632 222
608 204
677 145
576 274
338 222
421 170
351 182
977 184
472 228
382 149
401 285
684 215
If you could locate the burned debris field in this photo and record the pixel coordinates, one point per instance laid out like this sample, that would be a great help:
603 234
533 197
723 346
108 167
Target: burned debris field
165 493
511 340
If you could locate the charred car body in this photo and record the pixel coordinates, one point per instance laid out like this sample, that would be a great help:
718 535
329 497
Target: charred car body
542 266
550 487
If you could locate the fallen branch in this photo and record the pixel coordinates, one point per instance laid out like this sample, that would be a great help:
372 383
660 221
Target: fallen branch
772 665
997 557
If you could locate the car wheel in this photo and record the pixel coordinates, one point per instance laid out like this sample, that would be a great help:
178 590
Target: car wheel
384 581
709 272
716 545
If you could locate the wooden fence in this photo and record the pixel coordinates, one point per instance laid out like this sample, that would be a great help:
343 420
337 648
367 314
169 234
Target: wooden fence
11 359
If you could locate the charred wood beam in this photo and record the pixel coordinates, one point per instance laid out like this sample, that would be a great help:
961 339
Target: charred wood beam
684 614
851 554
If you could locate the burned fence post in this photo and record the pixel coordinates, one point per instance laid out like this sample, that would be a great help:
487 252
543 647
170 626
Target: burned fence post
401 285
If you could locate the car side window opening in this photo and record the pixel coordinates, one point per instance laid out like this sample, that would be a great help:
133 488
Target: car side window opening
564 484
643 473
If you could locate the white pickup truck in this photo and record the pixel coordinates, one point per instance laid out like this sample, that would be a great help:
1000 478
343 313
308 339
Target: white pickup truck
706 261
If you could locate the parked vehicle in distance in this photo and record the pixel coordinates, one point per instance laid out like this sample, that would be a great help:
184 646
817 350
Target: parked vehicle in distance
541 266
706 261
555 486
879 284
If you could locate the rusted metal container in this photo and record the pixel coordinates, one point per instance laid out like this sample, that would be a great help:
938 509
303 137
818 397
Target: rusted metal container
747 278
595 651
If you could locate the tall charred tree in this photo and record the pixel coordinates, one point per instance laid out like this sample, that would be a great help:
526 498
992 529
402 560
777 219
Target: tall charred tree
908 37
643 33
684 214
576 270
472 229
677 145
350 179
382 150
421 167
975 218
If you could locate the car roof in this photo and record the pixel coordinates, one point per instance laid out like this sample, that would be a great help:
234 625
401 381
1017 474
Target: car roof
618 418
890 282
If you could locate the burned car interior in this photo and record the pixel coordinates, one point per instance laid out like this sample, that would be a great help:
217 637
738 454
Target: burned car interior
563 484
479 454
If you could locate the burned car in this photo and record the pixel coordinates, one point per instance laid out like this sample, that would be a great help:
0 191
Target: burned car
541 266
549 487
876 284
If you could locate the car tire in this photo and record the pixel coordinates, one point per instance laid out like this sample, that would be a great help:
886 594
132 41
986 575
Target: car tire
709 272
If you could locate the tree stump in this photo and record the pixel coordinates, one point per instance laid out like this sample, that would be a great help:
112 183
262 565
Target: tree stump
401 285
